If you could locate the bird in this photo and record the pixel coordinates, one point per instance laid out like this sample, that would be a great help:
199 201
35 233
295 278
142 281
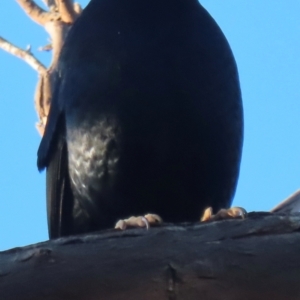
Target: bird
146 117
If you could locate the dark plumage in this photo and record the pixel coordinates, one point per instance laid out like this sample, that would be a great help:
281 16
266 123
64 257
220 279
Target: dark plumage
146 117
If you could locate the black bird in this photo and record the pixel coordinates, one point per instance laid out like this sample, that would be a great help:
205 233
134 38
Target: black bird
146 117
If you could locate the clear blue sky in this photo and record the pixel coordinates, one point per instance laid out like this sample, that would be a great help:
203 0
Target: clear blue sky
265 38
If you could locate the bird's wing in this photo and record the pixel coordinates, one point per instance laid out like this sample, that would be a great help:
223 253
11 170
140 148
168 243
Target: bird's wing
289 205
58 191
46 144
52 155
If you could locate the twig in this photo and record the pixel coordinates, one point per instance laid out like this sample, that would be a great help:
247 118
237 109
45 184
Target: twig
50 3
77 8
66 10
36 13
41 107
46 48
56 19
27 56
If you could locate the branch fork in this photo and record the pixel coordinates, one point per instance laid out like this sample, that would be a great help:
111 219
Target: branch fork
57 20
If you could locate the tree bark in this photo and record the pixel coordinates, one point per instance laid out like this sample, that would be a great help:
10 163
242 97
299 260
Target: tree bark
255 258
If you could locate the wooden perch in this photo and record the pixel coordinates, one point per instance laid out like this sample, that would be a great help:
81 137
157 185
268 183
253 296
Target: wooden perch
255 258
290 205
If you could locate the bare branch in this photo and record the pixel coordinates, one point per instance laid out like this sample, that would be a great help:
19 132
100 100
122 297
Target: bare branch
66 10
38 101
27 56
56 19
46 48
51 4
77 8
35 12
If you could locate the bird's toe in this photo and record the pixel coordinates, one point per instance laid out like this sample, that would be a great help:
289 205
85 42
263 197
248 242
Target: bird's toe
223 214
141 221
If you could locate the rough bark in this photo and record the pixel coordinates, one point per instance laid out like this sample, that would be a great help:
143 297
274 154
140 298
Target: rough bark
255 258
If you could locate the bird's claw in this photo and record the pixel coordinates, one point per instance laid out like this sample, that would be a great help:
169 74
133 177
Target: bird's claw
222 214
142 221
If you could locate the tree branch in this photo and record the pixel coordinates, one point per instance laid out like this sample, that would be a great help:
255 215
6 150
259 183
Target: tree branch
66 10
77 8
26 55
51 4
57 22
42 100
36 13
255 258
290 204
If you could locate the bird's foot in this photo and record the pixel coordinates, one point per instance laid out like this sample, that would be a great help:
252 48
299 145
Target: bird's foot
142 221
223 214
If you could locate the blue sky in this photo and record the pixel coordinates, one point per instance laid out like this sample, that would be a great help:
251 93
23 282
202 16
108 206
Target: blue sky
265 38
